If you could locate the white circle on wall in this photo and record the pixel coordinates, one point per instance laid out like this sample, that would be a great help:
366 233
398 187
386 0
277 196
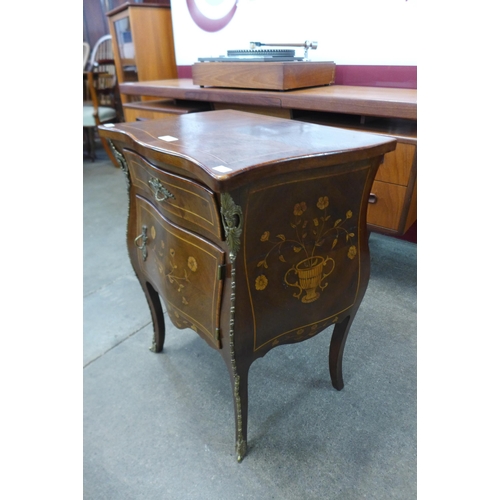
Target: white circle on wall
211 15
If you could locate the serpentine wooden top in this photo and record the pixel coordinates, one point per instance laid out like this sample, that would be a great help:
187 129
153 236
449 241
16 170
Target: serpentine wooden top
228 148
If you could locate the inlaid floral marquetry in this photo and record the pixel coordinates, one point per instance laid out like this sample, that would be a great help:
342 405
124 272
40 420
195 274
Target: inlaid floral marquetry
311 234
303 256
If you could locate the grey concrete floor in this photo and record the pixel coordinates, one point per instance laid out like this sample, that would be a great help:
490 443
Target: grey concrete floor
161 426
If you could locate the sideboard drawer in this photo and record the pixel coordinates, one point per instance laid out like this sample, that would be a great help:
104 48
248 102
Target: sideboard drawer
181 200
397 165
386 205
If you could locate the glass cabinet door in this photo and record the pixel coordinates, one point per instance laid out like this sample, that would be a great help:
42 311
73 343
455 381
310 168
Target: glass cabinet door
125 43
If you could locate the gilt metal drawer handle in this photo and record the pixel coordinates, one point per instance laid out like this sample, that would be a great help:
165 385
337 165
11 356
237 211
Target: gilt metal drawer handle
144 237
161 192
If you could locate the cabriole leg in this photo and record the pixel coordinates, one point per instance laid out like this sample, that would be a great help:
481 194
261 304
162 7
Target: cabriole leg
337 344
240 397
155 307
239 383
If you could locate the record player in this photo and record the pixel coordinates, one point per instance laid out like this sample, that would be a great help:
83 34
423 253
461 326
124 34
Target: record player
264 69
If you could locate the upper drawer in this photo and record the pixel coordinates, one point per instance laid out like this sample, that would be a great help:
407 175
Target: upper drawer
189 204
397 165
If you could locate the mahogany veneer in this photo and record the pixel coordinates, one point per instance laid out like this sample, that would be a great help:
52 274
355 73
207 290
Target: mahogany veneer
251 228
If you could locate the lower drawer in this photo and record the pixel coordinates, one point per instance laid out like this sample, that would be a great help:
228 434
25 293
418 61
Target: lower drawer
386 205
183 268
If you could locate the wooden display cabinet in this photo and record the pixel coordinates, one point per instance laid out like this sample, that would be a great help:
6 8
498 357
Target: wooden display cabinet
143 45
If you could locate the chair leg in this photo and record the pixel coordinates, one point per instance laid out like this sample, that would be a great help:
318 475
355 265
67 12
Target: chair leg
87 140
92 143
106 147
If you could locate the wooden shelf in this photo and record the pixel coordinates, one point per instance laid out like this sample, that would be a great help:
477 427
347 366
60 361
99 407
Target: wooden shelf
148 110
402 129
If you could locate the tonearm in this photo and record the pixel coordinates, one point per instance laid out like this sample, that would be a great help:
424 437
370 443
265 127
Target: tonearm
307 45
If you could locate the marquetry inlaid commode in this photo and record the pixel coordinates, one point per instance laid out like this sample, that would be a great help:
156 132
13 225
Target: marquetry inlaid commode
252 229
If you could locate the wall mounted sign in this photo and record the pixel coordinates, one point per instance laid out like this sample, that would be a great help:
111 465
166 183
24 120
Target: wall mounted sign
212 15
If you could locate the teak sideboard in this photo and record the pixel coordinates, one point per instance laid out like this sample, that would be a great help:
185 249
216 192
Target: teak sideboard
251 229
392 207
